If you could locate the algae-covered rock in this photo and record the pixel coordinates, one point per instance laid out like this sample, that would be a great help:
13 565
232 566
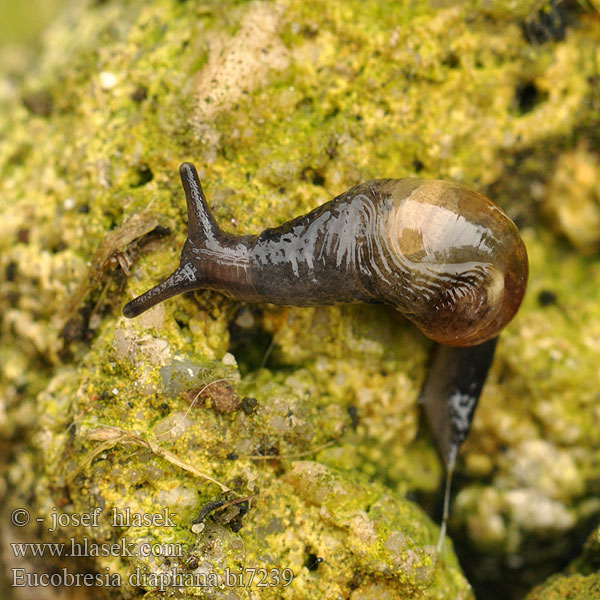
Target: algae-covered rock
577 176
573 587
581 579
291 436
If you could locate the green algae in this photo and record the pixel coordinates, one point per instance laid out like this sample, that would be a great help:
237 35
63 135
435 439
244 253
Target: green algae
344 92
573 587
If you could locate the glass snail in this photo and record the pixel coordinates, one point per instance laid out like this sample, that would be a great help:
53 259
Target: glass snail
446 257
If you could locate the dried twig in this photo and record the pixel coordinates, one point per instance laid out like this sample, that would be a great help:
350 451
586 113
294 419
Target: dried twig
111 436
292 454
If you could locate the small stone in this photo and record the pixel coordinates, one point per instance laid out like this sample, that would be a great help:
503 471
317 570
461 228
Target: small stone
221 395
198 527
249 405
139 94
69 203
107 80
39 103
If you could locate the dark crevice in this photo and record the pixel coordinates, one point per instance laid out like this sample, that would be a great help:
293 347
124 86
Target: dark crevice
528 96
549 24
511 577
418 166
312 175
250 343
547 298
143 176
312 560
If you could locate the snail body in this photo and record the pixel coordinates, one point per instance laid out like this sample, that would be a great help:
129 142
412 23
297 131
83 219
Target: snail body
446 257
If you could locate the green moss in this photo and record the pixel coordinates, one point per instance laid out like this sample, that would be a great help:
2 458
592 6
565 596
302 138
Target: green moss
571 587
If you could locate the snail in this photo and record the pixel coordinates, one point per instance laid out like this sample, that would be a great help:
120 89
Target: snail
446 257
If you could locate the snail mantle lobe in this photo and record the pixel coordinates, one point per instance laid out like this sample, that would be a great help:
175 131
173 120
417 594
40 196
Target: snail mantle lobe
446 257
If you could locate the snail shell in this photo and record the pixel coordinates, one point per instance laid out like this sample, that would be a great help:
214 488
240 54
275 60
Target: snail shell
446 257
